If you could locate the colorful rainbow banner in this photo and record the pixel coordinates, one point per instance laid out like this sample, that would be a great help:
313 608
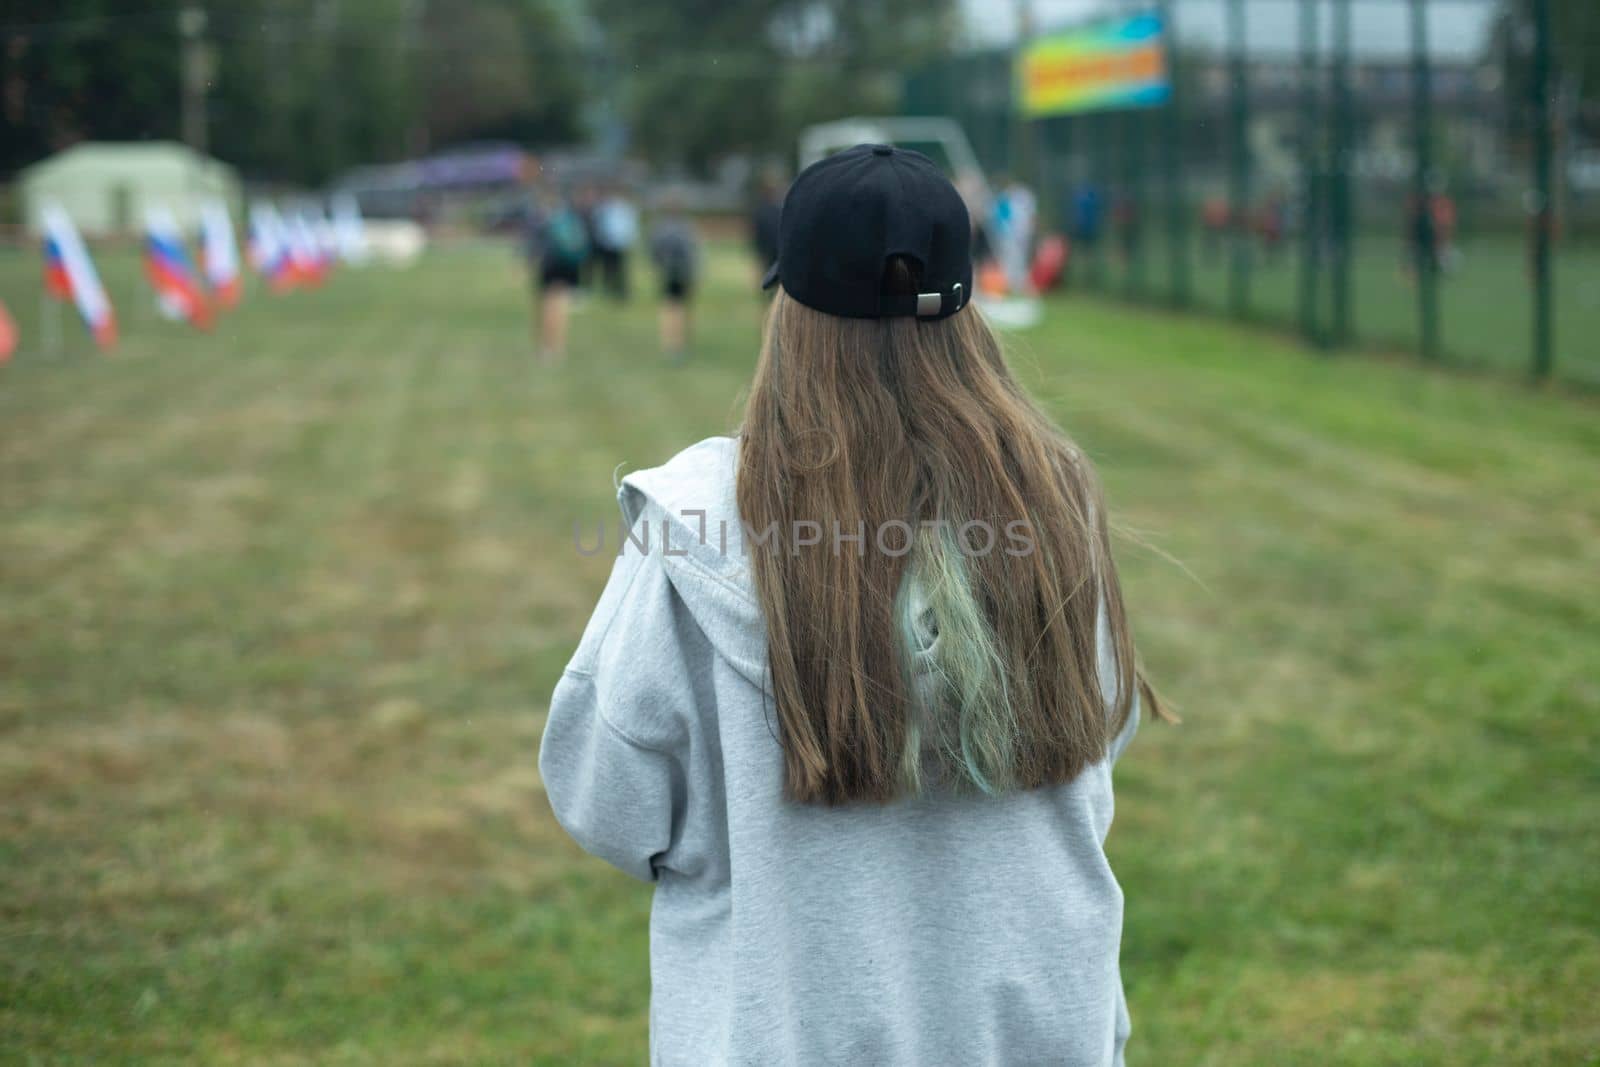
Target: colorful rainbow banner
1117 64
167 265
69 274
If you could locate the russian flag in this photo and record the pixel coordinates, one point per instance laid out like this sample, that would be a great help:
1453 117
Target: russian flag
327 236
167 266
269 247
218 253
56 281
305 250
349 229
69 274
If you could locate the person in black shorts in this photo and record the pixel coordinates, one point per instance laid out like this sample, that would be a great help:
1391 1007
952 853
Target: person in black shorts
675 250
555 245
558 273
676 287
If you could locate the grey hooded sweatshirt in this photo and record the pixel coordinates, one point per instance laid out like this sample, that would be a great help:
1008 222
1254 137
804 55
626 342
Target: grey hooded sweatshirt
942 930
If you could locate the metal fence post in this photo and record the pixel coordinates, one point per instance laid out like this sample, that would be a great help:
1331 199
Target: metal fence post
1310 155
1022 156
1419 215
1097 178
1171 149
1133 127
1066 197
1541 220
1238 165
1341 210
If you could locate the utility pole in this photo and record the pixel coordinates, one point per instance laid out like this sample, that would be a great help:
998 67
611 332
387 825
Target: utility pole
328 117
194 65
412 15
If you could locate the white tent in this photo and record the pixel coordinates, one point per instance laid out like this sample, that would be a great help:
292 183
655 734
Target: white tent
107 187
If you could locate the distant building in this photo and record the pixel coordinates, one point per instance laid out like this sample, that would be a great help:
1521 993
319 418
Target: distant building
106 186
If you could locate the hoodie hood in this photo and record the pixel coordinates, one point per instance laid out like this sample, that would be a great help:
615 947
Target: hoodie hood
686 512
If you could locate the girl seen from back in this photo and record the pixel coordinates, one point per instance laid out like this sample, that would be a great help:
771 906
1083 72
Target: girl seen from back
853 694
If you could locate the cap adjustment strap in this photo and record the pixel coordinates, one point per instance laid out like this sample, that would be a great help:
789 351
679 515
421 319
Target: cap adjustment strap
930 305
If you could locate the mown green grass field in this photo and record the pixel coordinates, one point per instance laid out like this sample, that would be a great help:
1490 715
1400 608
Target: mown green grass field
1485 298
281 607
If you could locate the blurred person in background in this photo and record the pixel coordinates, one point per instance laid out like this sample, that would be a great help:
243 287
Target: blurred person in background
555 245
616 228
1273 224
1088 219
1126 223
1215 217
675 250
1422 238
868 769
764 220
585 199
980 206
1443 206
1015 213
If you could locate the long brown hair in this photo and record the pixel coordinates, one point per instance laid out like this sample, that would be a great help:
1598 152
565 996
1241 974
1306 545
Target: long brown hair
871 450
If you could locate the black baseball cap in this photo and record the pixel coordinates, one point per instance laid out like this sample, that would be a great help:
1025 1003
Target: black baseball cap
846 216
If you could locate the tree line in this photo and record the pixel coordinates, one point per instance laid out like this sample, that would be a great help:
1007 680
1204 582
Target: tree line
297 91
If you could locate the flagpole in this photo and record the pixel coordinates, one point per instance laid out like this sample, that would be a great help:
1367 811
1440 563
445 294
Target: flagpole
50 323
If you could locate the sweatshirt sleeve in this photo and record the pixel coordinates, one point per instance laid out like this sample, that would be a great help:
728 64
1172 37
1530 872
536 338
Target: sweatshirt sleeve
1106 654
620 737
